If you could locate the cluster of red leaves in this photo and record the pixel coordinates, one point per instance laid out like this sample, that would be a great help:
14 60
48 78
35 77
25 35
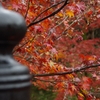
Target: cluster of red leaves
57 45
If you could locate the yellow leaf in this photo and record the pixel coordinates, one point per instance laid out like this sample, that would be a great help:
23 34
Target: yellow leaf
84 91
70 76
80 94
69 13
59 56
60 14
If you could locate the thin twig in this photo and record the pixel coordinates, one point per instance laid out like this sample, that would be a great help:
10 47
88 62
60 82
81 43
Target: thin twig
56 26
27 9
30 40
78 17
44 19
52 14
48 9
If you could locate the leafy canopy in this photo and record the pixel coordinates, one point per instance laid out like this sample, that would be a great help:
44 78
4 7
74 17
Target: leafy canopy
60 47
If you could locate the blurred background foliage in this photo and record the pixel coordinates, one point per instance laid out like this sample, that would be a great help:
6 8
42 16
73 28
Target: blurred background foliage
40 94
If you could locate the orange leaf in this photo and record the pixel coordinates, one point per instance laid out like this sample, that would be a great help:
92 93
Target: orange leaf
60 14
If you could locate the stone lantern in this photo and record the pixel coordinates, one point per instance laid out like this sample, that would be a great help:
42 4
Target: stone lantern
14 77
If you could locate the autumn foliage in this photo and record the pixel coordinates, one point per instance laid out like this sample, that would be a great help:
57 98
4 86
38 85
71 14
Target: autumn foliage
61 46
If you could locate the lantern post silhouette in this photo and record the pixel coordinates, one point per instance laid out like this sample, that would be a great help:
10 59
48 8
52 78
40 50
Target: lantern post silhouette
14 77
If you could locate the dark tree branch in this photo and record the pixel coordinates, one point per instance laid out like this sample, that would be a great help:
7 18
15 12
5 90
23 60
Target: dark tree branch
48 9
64 73
27 9
43 18
30 40
52 14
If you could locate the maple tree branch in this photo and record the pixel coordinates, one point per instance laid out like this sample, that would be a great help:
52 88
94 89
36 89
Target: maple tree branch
77 18
56 26
52 14
43 18
48 9
69 72
30 40
27 9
